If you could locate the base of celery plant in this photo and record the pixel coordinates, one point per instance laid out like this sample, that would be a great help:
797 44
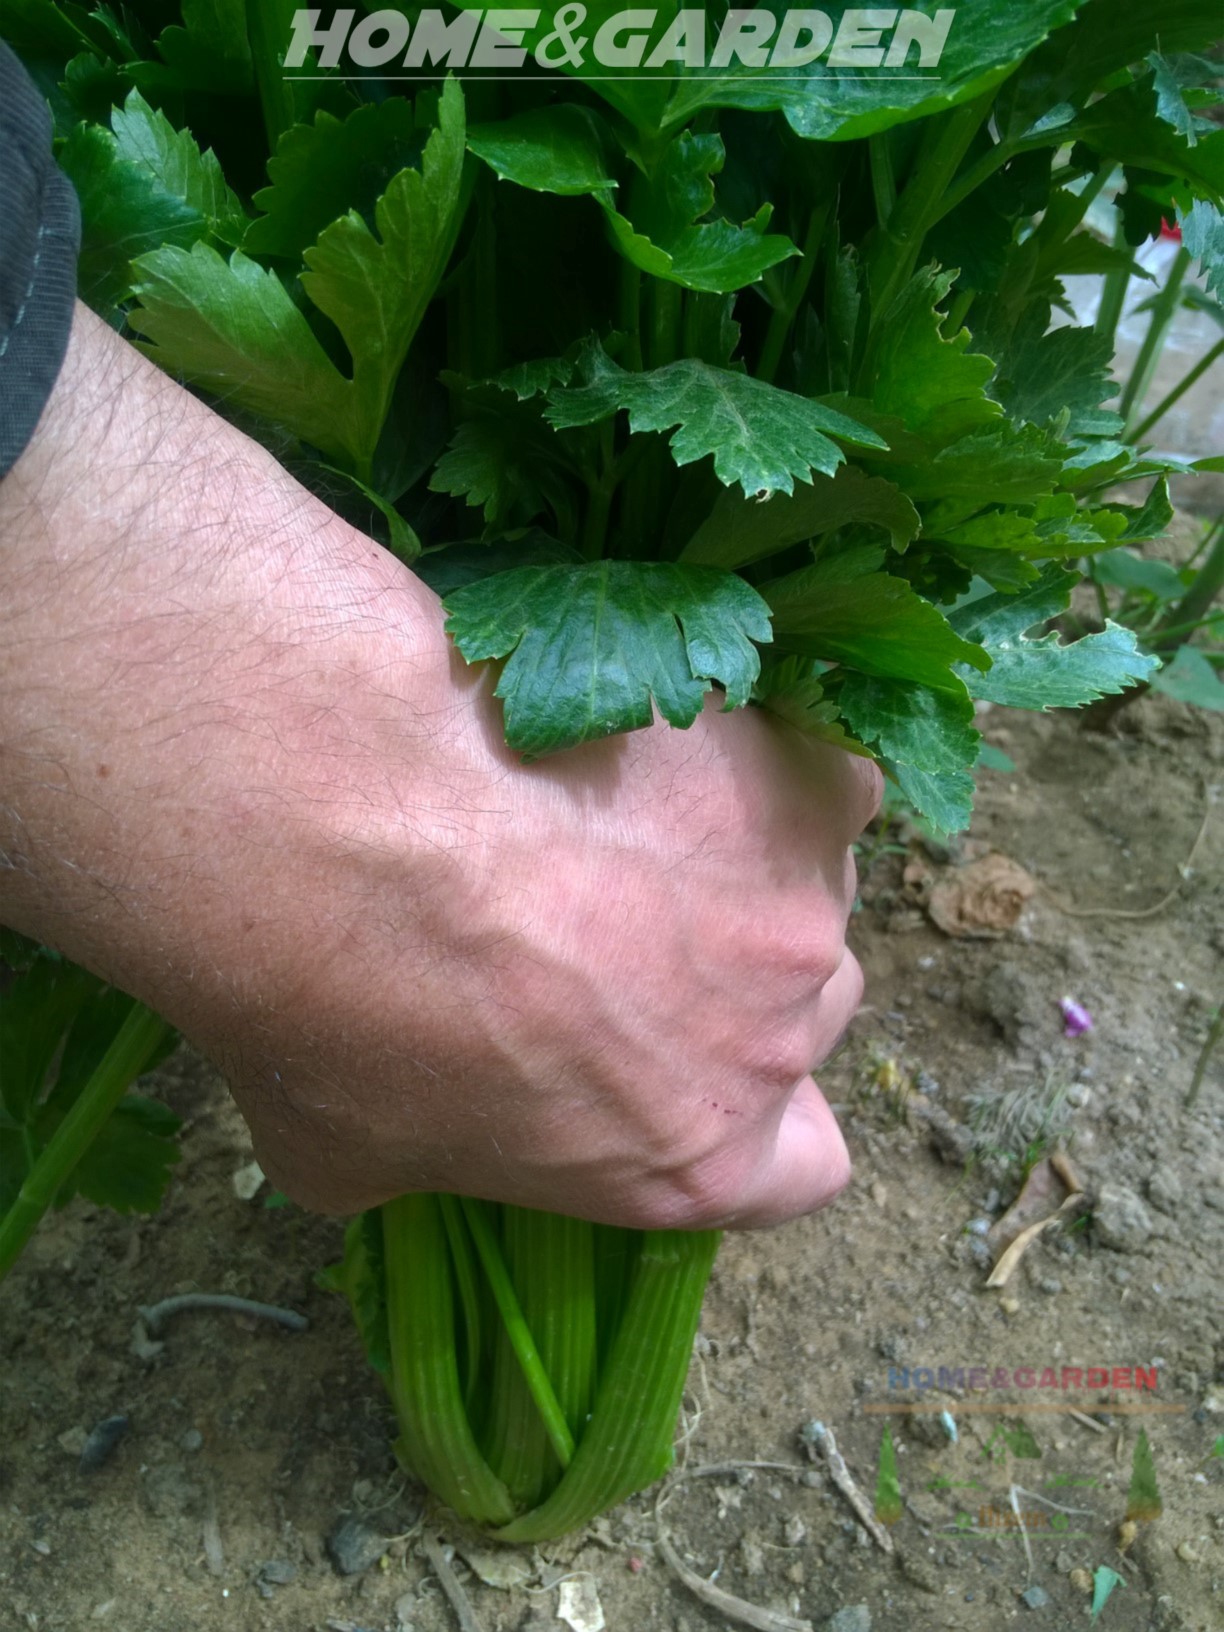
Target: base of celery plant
536 1363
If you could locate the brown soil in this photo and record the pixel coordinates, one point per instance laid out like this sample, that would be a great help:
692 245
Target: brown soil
247 1443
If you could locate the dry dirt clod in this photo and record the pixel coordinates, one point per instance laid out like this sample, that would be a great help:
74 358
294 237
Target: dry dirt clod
354 1547
1120 1220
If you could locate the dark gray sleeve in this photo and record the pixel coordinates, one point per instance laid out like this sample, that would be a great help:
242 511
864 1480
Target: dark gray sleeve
40 231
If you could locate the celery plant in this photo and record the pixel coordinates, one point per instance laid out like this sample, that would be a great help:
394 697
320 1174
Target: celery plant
666 381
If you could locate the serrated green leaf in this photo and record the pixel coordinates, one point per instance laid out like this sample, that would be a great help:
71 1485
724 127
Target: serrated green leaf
1010 465
208 53
935 385
1152 517
1202 230
1043 375
511 466
590 647
1170 99
376 289
124 214
942 798
127 1167
173 161
564 149
792 689
1191 678
322 170
668 237
911 725
740 530
230 327
1042 673
832 101
1106 37
874 623
1125 127
763 438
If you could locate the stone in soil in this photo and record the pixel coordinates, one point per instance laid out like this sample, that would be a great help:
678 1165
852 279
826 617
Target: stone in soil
101 1441
1120 1220
353 1546
854 1618
1035 1598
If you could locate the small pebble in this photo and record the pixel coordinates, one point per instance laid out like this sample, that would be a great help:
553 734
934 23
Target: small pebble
1010 1306
247 1181
854 1618
277 1572
353 1546
1034 1598
1050 1285
192 1440
1081 1580
72 1440
101 1442
43 1548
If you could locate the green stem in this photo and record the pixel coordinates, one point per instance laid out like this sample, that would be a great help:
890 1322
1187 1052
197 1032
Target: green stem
783 316
883 177
467 1283
550 1261
268 28
134 1045
1214 1032
1178 392
630 314
944 145
436 1439
517 1331
1164 309
664 307
1113 290
628 1441
1196 602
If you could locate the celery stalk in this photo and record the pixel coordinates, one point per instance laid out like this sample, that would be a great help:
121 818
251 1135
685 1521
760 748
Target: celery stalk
436 1440
628 1442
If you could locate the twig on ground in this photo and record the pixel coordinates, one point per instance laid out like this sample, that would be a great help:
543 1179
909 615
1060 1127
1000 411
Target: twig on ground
726 1603
450 1584
1214 1031
1088 1422
1143 912
821 1438
155 1315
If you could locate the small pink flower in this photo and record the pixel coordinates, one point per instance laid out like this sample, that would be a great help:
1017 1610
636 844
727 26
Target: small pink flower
1076 1019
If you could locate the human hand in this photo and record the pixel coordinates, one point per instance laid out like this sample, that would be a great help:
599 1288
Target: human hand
247 777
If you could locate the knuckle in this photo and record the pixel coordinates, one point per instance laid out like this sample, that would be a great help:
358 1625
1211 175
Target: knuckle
784 1058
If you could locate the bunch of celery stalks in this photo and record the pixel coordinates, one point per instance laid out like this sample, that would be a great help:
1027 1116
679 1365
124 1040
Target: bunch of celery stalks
536 1362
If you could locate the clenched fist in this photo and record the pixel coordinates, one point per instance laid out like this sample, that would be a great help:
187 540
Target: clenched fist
245 776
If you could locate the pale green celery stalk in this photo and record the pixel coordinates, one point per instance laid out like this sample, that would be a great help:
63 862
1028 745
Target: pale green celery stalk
1164 309
1174 396
628 1442
550 1261
134 1045
471 1300
514 1323
436 1440
945 141
1113 290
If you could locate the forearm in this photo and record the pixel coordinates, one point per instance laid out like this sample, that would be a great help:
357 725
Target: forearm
159 574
